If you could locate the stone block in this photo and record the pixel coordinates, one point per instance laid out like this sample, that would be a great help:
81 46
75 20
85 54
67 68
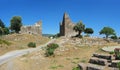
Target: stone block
114 63
95 67
98 61
82 66
103 56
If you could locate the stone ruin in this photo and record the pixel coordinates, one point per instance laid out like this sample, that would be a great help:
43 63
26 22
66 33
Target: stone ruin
66 27
34 29
100 62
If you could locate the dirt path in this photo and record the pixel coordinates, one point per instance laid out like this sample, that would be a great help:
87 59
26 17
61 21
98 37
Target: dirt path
11 55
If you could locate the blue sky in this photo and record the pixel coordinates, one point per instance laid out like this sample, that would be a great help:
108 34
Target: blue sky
93 13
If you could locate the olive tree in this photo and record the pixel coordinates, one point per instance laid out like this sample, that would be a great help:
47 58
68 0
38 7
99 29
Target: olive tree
79 27
107 31
88 31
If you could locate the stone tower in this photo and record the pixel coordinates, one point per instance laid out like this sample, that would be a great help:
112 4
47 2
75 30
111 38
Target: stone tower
66 27
34 29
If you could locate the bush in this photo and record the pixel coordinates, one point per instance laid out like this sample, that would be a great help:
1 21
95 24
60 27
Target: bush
118 65
76 68
117 53
51 48
114 37
112 52
32 44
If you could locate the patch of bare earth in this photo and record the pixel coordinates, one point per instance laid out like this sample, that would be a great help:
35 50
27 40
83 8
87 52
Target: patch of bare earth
68 55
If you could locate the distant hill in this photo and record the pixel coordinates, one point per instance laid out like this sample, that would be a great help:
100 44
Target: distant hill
47 35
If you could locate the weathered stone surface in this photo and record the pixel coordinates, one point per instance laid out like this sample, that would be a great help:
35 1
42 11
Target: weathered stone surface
95 67
66 27
35 29
118 42
112 68
82 66
98 61
114 63
103 56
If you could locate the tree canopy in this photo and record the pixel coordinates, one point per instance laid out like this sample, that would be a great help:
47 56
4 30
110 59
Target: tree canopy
89 31
79 27
1 24
107 31
3 30
16 23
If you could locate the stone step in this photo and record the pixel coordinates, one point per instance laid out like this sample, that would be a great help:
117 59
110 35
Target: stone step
98 61
82 66
114 63
112 68
103 56
89 66
95 67
108 64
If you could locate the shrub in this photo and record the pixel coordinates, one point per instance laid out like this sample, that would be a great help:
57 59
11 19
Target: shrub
51 48
76 68
32 44
112 52
118 65
114 37
117 53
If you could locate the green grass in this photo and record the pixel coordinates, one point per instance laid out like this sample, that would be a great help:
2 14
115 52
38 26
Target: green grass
76 58
75 62
83 61
55 67
76 68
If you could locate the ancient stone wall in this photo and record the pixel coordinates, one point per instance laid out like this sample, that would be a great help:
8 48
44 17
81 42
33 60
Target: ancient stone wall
34 29
66 27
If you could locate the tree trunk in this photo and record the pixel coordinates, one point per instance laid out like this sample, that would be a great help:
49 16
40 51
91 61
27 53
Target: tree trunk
79 33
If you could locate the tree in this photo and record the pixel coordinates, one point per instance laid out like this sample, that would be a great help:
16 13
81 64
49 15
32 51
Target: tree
89 31
1 27
6 30
79 27
1 24
16 23
107 31
1 31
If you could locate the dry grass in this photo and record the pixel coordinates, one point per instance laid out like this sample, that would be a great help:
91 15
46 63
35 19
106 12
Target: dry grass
20 41
66 58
